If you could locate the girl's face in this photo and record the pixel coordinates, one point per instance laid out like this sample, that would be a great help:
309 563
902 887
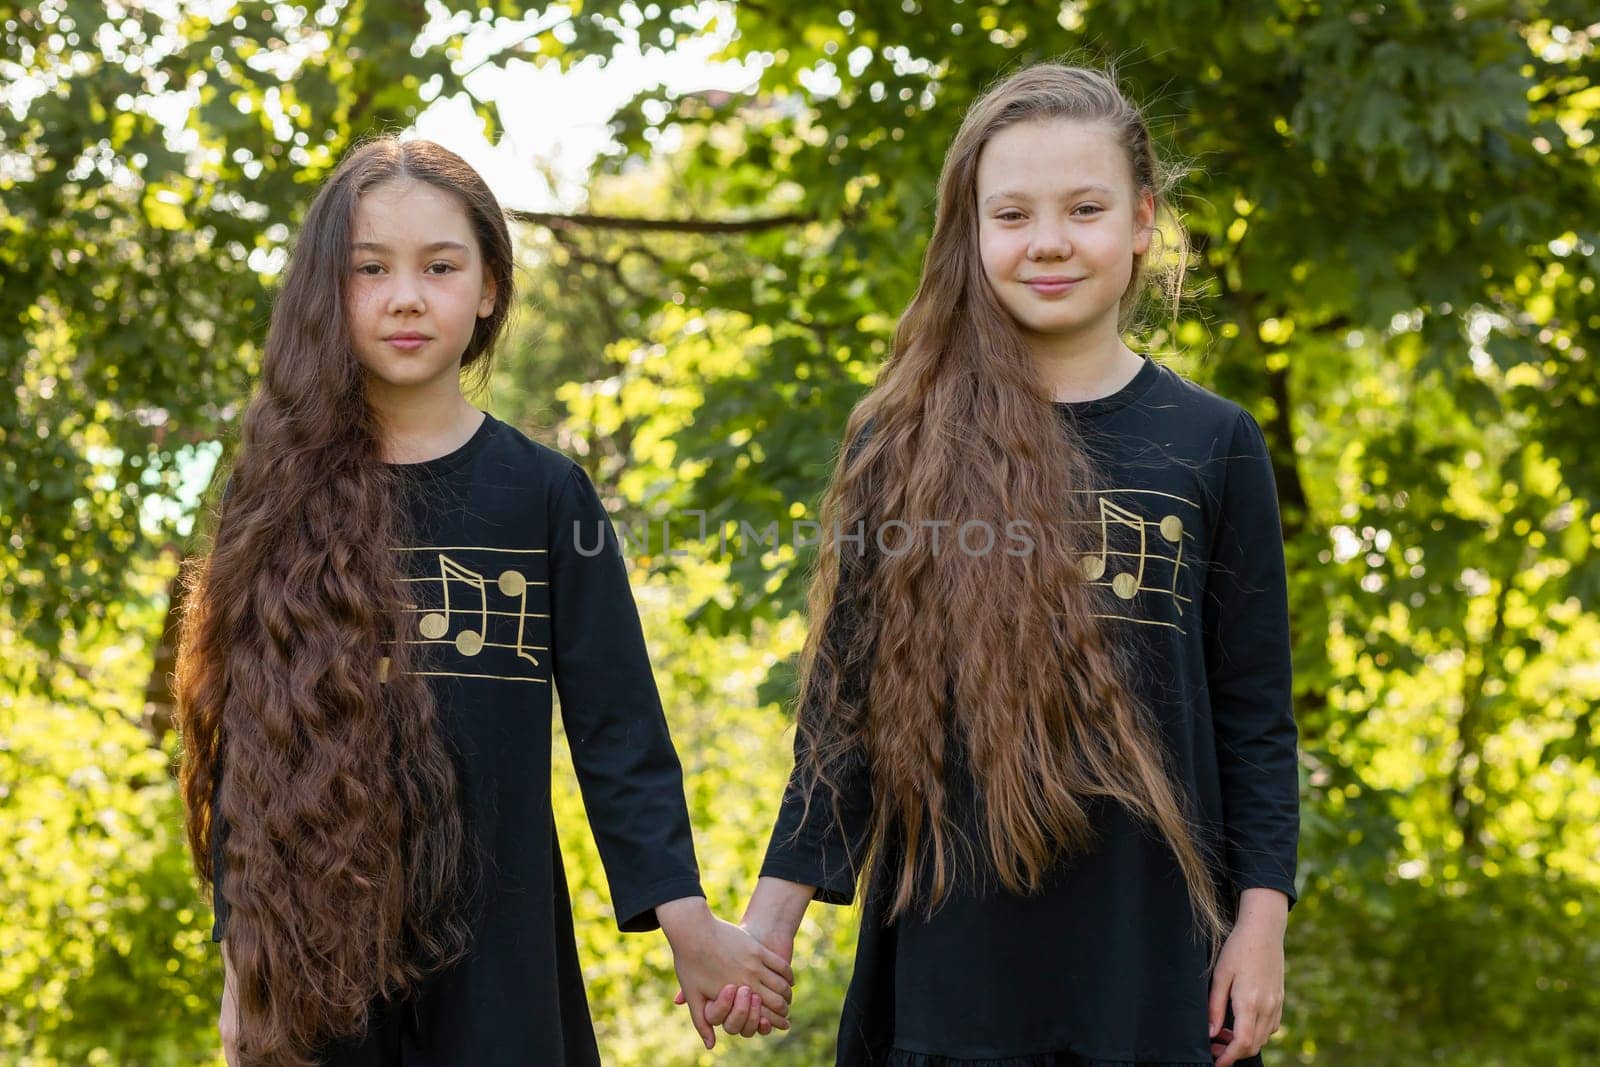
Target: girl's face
1059 225
416 284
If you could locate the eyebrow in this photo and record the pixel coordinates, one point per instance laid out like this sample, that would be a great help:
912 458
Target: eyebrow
437 246
1008 194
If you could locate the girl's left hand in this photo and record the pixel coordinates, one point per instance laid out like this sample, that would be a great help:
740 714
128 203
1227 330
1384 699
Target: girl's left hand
1250 974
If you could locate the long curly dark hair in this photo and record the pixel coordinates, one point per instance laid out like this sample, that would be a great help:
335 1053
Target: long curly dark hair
348 866
958 428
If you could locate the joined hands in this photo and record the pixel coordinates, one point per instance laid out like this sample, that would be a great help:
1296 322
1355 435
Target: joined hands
739 977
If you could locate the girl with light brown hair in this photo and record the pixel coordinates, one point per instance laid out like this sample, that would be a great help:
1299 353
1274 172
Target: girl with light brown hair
1044 721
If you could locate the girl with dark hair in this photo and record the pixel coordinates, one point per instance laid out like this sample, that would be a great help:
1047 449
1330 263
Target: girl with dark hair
397 580
1045 720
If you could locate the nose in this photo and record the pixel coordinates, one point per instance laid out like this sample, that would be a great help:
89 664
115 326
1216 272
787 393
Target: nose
405 295
1048 241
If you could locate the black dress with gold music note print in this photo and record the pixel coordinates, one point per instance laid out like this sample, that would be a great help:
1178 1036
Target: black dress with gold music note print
517 591
1099 969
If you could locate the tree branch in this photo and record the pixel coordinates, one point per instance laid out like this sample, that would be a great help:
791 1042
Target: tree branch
581 221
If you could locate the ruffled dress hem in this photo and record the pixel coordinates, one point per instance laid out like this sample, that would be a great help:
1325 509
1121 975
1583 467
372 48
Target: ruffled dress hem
899 1057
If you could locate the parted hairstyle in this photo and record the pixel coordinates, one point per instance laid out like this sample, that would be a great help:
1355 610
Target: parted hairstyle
916 658
348 868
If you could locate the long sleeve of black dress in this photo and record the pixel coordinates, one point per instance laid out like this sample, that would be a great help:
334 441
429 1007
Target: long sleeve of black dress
1247 655
819 846
628 770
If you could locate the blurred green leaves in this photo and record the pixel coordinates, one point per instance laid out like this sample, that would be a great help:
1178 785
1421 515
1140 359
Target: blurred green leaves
1392 209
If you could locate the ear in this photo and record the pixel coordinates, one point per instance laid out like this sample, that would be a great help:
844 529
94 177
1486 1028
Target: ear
1144 222
486 303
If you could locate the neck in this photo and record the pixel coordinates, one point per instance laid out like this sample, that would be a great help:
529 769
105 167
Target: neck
424 422
1087 366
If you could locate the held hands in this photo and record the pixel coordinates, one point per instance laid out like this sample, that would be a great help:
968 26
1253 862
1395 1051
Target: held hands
713 957
738 1010
1250 974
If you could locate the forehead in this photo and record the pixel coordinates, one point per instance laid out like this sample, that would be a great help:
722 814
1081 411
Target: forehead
1040 158
409 213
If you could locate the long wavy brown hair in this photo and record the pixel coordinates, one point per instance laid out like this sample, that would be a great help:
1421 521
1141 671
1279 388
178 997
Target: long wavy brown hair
959 428
348 867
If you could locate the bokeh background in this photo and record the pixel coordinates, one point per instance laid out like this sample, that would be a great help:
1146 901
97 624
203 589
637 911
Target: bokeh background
721 211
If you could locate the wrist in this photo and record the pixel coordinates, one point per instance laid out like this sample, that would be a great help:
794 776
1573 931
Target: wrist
682 918
777 906
1262 904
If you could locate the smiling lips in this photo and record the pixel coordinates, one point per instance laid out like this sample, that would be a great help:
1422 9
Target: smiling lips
1052 284
408 340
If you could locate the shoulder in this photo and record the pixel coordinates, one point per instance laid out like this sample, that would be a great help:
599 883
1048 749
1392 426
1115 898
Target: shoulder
1229 426
532 462
1197 402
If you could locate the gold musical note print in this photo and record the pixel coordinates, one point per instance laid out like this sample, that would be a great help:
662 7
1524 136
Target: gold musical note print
435 625
1138 550
482 626
1126 585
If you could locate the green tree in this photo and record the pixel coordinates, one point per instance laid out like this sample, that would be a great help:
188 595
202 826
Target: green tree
1391 206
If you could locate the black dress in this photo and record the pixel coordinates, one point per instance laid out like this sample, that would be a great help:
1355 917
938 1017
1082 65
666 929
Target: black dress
519 583
1100 968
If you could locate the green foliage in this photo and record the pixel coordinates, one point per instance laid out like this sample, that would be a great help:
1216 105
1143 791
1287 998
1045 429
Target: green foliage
1391 208
106 956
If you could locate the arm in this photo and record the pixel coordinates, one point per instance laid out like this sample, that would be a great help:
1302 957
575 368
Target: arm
1249 674
627 767
816 850
628 770
1248 667
817 843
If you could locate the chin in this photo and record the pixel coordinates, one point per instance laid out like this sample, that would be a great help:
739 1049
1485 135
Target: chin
402 377
1051 327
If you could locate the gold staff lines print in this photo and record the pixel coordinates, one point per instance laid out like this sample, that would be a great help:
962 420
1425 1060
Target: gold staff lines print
1158 542
462 617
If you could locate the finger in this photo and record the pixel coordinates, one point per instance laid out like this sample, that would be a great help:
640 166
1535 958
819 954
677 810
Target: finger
1246 1026
752 1018
766 1025
717 1010
697 1012
1235 1051
680 998
773 1001
1241 1045
1221 983
740 1015
777 1022
779 964
754 1022
775 981
1219 1044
